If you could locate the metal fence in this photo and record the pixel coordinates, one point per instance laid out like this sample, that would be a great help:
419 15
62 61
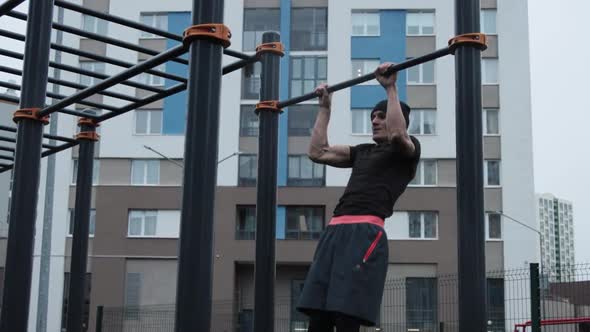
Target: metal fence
412 304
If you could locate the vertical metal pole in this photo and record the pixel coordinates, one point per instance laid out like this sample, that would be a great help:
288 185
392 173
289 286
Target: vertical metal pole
79 261
193 293
266 192
535 298
470 199
99 315
23 206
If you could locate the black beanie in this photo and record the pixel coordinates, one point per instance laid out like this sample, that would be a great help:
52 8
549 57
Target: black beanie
382 106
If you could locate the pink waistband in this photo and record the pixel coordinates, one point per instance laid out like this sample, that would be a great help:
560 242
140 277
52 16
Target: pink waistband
340 220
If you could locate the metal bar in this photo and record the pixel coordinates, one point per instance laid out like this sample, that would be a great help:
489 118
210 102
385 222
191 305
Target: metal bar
266 192
48 136
470 199
9 99
535 298
80 71
16 100
27 164
7 158
195 265
71 85
238 65
60 97
3 165
100 38
79 260
53 151
117 19
237 54
14 140
147 100
114 80
99 315
4 148
365 78
9 5
100 58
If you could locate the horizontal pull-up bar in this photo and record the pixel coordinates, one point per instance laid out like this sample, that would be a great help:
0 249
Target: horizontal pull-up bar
16 100
365 78
13 140
148 100
239 65
476 40
100 38
7 158
4 148
96 57
84 72
54 150
116 79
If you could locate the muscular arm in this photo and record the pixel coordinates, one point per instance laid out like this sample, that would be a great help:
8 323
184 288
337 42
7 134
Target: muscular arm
320 150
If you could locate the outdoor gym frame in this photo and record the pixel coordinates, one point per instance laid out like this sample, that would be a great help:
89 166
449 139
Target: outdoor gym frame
206 41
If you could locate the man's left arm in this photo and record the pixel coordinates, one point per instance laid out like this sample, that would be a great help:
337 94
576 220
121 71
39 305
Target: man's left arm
396 124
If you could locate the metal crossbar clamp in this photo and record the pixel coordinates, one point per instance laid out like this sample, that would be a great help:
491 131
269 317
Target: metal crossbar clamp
30 113
274 47
88 135
213 31
477 40
268 105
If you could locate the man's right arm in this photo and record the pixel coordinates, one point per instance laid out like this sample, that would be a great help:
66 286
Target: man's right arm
320 150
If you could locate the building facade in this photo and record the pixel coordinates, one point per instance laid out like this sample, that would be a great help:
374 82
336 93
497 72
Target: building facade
556 220
137 194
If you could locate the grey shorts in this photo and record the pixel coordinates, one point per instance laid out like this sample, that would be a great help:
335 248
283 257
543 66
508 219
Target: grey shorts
348 272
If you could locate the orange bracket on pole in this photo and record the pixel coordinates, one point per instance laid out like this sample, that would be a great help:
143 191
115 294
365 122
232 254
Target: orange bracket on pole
274 47
477 40
30 113
269 105
215 32
88 135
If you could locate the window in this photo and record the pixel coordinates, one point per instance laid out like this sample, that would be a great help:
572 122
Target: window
94 24
143 223
422 122
420 23
246 222
489 71
491 122
148 122
145 172
361 122
251 81
248 121
92 66
132 295
488 21
248 170
422 225
299 321
302 119
95 171
304 172
309 29
493 226
426 173
256 22
91 223
361 67
153 80
366 24
495 305
492 172
421 304
421 74
307 73
304 222
154 20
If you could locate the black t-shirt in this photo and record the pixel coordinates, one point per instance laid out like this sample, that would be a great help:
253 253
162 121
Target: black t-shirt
380 174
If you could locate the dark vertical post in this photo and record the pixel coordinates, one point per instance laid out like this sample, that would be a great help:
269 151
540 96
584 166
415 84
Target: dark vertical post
77 286
470 207
99 315
27 161
535 298
266 192
193 293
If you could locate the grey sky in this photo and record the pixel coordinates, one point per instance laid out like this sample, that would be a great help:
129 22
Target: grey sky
559 70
